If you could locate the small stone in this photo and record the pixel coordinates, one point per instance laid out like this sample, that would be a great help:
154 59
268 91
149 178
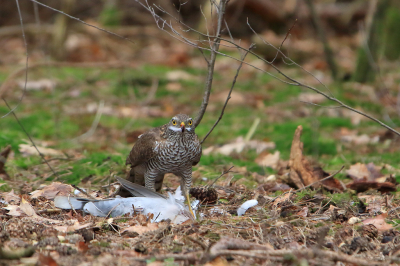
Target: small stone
354 220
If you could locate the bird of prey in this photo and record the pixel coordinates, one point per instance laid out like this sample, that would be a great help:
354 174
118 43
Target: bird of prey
172 148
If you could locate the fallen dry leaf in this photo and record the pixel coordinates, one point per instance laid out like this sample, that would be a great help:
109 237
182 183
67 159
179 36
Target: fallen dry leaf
140 229
14 210
27 208
374 203
28 150
240 145
303 212
36 85
177 75
217 262
53 190
72 228
379 222
45 260
266 159
10 197
360 171
361 186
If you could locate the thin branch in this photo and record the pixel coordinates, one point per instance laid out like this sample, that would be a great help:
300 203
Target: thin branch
229 95
223 173
83 192
210 74
33 143
280 46
321 106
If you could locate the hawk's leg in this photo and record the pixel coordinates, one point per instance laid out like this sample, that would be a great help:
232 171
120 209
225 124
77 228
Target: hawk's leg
150 177
186 182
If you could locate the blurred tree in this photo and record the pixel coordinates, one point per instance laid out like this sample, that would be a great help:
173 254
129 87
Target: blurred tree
61 29
110 15
392 32
382 20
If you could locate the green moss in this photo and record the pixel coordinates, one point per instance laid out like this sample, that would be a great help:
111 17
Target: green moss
343 199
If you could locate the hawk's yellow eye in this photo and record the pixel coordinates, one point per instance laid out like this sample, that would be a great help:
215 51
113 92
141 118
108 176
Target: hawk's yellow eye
174 122
190 122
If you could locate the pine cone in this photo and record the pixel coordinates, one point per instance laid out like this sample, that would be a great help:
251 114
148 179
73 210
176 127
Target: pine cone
204 195
370 231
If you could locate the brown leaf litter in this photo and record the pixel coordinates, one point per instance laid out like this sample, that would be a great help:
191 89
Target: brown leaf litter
368 176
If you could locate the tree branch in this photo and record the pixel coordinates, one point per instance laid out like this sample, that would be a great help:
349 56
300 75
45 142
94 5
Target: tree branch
215 46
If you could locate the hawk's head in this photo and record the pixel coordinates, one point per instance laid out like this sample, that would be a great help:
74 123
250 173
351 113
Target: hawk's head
181 124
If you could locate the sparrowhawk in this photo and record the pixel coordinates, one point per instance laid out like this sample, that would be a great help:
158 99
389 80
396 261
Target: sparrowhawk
172 148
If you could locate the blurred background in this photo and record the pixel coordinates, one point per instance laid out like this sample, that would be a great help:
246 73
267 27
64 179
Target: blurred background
90 94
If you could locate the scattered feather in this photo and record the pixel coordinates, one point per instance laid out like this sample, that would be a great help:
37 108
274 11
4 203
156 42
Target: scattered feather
245 206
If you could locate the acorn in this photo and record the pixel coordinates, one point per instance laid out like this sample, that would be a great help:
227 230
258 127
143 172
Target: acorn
204 195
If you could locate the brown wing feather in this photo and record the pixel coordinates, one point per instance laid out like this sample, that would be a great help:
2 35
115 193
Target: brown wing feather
197 158
143 150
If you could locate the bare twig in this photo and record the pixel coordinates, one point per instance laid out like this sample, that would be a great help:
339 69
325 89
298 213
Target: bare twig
223 173
211 63
198 242
229 95
83 192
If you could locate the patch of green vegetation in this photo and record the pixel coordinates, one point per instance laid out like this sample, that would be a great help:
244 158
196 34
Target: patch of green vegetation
95 164
171 261
4 188
308 193
212 235
25 162
103 244
219 159
11 138
282 134
110 15
342 199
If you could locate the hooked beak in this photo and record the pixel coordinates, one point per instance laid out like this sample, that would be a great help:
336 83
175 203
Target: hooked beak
183 126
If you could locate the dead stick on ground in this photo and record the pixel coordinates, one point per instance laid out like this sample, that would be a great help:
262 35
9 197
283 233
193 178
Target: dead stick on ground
265 255
83 192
